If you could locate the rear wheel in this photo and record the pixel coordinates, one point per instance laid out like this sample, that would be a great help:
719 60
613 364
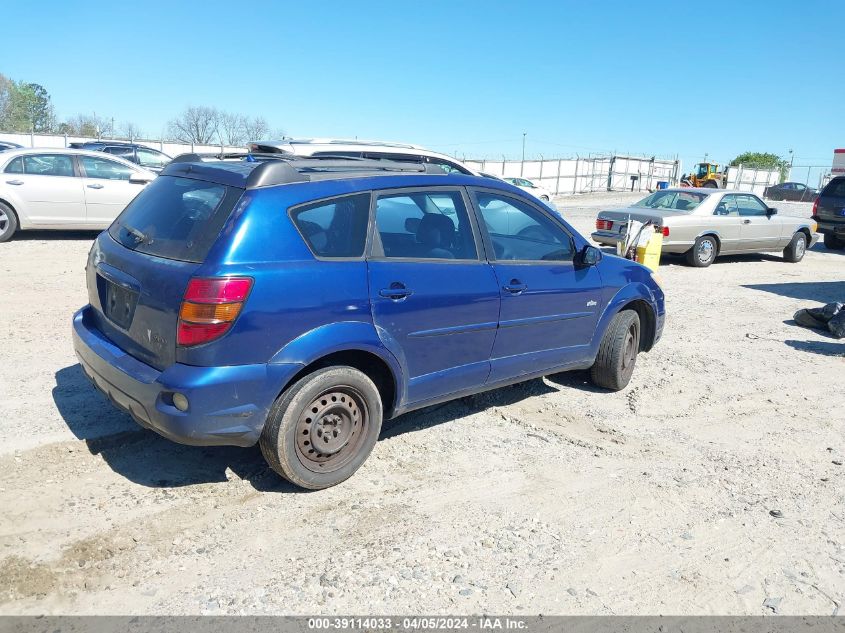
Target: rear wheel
711 184
323 428
8 222
832 242
794 252
618 350
703 252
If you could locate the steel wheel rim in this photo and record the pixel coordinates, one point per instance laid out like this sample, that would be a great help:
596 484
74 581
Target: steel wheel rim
629 349
4 221
331 429
800 248
705 251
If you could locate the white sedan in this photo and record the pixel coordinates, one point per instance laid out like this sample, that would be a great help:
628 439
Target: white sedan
526 185
64 189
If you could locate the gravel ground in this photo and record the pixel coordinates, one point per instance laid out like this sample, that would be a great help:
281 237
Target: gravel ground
713 484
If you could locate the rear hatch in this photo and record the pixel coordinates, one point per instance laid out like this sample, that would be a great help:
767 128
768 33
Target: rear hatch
138 270
831 207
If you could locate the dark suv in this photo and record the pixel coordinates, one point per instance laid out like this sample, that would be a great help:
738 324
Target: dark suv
298 302
829 213
142 155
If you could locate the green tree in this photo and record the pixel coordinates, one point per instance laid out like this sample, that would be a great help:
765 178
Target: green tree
762 160
25 107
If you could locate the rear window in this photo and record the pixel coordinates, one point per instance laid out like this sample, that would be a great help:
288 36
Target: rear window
176 218
835 187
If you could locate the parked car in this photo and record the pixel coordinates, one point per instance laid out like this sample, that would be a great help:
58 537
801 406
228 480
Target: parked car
530 187
372 150
146 157
704 223
4 145
829 212
64 189
794 191
384 289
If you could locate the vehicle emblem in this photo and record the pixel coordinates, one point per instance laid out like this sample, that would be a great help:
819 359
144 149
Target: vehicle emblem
591 303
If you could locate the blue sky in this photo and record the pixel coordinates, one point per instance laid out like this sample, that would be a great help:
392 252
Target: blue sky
660 78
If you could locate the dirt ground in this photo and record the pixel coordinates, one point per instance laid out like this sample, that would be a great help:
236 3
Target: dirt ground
547 497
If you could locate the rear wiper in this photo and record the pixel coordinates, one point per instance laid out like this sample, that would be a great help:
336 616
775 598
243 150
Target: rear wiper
140 238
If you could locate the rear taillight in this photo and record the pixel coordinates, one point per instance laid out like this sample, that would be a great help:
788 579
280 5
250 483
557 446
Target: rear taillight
604 225
815 208
665 231
210 307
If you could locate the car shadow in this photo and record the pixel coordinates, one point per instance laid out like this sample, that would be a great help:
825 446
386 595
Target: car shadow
147 459
819 247
818 291
31 236
818 347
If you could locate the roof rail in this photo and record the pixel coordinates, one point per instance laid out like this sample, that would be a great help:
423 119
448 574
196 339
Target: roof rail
277 169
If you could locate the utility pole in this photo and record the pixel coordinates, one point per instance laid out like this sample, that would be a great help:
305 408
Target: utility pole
523 146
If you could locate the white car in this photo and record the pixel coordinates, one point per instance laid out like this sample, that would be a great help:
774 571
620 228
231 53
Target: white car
374 150
526 185
64 189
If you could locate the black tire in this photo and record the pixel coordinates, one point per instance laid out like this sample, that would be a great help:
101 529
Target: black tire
8 222
703 252
711 184
832 242
544 198
794 252
322 451
618 349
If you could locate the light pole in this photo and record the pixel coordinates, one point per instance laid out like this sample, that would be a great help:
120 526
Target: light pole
522 164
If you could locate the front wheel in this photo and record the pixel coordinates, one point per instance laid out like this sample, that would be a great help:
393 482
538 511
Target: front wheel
618 350
323 428
703 252
794 252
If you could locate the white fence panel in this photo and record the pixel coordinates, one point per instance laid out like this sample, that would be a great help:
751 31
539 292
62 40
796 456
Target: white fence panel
581 175
54 141
752 180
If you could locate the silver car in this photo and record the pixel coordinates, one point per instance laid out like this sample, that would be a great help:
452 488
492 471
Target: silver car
704 223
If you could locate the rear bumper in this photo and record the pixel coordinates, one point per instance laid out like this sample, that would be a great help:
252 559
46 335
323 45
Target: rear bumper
606 238
834 228
227 405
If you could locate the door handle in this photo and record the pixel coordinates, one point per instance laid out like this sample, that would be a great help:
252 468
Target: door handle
96 185
515 287
396 292
14 182
746 221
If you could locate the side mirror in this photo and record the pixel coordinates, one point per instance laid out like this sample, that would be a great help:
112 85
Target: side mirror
589 256
771 211
139 179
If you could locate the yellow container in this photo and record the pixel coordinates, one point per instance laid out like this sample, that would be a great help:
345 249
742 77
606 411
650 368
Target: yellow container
649 255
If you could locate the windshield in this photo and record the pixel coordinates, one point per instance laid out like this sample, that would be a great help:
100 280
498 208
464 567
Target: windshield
675 200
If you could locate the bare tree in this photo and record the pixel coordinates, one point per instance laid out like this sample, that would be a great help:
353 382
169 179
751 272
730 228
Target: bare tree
232 128
130 130
197 124
256 129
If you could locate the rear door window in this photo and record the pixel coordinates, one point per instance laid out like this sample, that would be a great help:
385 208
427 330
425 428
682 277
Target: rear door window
336 227
176 218
104 168
424 225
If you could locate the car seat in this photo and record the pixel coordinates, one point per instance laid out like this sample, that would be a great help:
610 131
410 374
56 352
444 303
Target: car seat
437 233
